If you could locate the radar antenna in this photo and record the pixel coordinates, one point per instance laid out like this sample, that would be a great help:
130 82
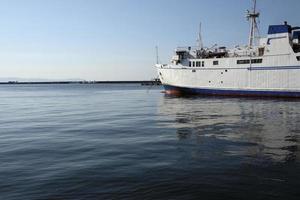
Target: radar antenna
251 16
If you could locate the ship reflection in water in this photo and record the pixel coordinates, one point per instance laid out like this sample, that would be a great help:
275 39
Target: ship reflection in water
258 131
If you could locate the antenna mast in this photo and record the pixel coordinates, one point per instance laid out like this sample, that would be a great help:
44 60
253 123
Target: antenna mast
251 16
157 58
199 40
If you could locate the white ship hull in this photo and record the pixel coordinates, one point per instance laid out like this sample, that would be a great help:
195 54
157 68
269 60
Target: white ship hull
255 81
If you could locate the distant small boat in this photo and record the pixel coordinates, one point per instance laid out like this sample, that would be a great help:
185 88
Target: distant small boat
267 66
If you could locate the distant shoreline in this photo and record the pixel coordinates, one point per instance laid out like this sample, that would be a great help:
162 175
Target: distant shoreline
154 82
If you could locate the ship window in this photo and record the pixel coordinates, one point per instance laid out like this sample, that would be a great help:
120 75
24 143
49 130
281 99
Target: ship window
216 62
298 58
193 64
243 62
202 63
256 61
190 63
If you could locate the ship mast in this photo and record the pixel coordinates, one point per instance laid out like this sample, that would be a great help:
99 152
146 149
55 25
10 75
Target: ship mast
157 57
199 39
251 16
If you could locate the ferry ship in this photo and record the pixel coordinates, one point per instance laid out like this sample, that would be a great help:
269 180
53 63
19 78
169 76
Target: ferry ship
266 66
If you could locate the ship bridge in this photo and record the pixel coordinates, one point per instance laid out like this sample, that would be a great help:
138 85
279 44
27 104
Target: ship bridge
280 36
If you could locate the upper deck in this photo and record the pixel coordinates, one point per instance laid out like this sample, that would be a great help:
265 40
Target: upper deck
281 40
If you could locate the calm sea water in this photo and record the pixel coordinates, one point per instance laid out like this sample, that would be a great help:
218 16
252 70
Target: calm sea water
128 142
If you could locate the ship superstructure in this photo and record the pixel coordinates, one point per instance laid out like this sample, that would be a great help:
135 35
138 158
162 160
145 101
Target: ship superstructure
267 66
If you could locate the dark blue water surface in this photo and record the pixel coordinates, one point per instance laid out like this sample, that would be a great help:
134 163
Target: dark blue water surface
125 142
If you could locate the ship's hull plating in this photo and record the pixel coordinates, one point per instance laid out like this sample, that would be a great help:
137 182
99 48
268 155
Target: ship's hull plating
260 82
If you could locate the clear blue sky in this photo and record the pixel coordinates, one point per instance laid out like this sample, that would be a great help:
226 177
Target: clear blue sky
116 39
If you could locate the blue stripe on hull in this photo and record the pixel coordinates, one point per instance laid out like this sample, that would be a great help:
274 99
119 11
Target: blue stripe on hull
224 92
